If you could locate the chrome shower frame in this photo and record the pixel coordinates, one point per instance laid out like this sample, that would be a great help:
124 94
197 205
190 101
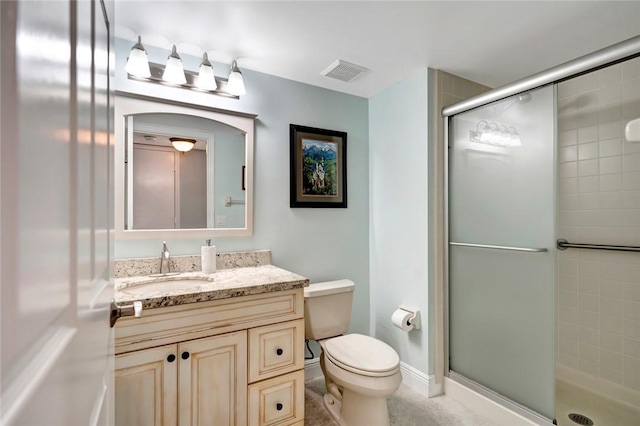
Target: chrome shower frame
611 55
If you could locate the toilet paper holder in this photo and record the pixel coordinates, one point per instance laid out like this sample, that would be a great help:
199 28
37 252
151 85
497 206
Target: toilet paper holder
414 320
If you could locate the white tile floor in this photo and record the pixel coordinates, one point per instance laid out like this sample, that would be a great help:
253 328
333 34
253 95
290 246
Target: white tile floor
406 408
409 408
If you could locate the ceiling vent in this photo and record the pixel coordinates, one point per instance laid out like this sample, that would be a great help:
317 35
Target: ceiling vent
344 71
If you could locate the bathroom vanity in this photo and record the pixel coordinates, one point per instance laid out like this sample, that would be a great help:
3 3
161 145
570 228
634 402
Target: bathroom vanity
210 349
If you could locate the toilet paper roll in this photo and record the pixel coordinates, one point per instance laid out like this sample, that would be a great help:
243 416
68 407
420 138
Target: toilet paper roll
400 319
208 254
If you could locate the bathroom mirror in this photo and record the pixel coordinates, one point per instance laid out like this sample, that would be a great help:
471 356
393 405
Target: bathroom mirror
159 189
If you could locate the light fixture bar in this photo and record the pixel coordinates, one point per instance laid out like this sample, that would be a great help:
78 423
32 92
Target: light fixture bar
156 77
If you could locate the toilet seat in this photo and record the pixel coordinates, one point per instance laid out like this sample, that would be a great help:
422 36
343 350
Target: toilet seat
362 355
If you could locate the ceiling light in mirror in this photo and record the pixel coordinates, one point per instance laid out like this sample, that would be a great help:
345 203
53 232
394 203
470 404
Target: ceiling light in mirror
183 144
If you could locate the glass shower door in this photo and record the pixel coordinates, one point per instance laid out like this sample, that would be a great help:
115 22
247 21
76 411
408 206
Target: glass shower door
501 248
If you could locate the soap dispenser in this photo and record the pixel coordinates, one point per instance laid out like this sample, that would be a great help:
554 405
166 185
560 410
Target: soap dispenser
208 258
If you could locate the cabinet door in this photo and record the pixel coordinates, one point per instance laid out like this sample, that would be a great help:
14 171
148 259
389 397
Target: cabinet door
146 387
213 381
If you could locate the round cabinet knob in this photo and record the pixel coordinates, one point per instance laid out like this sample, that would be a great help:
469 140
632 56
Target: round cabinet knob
279 406
171 358
279 351
185 355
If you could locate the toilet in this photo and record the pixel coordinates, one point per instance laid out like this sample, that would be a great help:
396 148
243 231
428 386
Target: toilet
360 372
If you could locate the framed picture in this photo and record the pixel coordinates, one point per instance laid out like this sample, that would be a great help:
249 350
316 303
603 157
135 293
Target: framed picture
318 167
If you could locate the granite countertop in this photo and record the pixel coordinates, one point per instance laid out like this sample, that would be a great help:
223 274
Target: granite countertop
190 287
190 263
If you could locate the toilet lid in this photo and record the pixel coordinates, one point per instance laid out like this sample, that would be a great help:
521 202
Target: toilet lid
363 354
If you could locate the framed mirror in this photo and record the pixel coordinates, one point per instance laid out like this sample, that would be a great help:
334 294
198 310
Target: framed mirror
181 170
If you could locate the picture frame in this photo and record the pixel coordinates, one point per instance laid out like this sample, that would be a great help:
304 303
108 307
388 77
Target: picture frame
318 167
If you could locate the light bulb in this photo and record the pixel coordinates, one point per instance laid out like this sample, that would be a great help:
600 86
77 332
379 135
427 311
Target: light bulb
235 86
183 144
206 80
138 63
173 71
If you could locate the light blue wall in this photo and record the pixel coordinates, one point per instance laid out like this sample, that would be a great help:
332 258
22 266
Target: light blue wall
398 238
322 244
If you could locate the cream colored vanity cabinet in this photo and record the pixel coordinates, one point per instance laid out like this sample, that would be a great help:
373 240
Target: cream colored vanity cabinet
236 361
176 384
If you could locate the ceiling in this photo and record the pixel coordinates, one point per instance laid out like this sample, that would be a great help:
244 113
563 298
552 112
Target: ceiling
492 43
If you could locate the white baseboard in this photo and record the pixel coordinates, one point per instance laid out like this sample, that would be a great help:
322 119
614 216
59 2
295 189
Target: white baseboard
420 382
597 385
483 406
312 369
414 379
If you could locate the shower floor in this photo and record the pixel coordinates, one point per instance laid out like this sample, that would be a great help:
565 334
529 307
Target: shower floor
603 411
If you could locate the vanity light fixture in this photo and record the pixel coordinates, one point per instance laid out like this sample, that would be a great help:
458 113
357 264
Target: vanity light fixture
137 63
495 134
173 71
139 68
183 144
236 82
206 79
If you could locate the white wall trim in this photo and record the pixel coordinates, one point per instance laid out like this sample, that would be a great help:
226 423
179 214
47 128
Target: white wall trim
414 379
418 381
483 406
597 385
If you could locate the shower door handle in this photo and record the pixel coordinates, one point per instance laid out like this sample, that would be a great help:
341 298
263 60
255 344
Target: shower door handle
509 248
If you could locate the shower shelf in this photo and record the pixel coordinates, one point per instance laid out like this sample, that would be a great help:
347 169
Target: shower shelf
563 244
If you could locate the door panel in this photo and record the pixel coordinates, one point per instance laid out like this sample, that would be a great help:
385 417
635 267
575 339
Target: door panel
154 186
501 302
103 144
35 190
55 336
37 290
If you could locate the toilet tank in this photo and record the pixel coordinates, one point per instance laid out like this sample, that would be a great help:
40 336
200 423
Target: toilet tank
327 309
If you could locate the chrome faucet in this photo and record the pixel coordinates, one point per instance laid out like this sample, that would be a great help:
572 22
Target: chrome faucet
165 265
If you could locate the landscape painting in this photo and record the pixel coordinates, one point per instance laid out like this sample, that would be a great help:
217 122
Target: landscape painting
318 167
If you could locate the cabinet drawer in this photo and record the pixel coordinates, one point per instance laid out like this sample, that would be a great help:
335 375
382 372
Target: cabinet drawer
276 349
277 401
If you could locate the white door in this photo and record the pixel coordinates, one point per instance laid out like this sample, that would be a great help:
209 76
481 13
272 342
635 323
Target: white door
56 223
154 187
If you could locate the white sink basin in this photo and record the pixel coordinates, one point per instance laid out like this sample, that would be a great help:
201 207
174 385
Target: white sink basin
163 283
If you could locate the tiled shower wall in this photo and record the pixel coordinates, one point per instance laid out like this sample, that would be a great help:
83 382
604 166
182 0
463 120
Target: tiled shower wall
453 89
599 203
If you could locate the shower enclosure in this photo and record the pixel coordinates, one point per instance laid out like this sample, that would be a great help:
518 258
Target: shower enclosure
528 166
501 255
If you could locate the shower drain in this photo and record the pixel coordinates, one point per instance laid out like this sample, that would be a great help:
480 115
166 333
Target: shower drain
580 419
